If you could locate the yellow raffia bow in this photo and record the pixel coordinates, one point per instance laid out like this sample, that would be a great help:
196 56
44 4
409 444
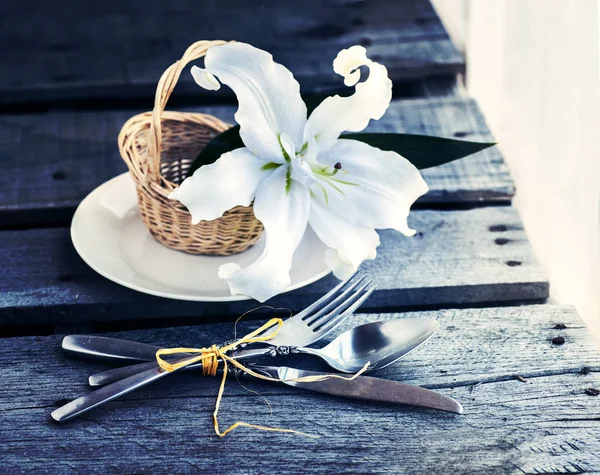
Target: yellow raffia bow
210 362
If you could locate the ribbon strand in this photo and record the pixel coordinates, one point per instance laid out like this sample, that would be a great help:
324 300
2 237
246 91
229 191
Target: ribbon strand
210 362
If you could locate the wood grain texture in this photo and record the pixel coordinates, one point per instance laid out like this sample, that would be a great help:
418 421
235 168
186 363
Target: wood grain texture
547 424
50 162
470 257
119 49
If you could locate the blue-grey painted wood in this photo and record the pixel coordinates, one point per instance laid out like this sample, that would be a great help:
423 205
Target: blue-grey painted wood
546 424
118 50
50 162
474 257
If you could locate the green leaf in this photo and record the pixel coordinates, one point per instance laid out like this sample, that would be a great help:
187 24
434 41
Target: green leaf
423 151
222 143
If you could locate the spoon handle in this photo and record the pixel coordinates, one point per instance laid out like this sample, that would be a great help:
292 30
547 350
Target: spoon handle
305 350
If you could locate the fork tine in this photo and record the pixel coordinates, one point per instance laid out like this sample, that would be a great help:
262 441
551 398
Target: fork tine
325 299
310 320
332 323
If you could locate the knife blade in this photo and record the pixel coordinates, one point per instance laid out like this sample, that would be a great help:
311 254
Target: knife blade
366 388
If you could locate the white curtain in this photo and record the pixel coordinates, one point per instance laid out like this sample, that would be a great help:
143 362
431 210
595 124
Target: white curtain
534 67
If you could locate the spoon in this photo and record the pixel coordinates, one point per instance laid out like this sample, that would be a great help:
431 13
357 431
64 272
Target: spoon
380 343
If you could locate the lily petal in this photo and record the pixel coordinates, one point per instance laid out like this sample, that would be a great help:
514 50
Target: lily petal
213 189
374 188
269 97
205 79
283 210
370 100
350 244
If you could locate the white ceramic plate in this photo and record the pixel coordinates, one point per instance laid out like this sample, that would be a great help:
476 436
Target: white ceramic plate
109 235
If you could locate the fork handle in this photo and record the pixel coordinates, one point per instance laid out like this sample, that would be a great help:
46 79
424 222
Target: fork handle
116 374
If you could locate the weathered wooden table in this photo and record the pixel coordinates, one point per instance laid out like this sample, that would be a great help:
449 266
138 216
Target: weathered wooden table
73 76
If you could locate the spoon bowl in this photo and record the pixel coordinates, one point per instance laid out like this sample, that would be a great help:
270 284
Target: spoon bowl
378 343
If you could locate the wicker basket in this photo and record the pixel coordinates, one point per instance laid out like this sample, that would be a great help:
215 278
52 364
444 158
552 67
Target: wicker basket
159 147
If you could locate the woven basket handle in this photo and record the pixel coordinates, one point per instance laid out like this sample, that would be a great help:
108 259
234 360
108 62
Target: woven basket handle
163 91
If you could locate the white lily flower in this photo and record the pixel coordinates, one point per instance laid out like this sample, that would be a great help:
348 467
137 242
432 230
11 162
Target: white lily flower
298 171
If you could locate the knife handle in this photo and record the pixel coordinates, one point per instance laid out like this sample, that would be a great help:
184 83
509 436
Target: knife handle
110 392
108 349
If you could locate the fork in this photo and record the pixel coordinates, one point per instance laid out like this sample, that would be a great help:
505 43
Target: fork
305 328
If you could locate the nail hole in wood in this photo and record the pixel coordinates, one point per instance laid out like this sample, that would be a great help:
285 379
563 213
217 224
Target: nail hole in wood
423 21
461 134
498 228
59 175
501 241
65 77
513 263
61 47
324 32
558 340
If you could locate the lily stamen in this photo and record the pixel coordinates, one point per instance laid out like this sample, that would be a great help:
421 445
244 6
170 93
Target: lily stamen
326 171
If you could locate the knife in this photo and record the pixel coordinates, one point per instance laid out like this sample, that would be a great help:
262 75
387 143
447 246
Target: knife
366 388
362 387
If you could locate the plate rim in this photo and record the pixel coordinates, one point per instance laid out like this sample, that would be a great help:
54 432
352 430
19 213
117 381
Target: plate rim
157 293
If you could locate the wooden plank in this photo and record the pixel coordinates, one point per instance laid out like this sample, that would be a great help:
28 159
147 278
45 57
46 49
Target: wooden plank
480 178
50 162
119 49
470 257
547 424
